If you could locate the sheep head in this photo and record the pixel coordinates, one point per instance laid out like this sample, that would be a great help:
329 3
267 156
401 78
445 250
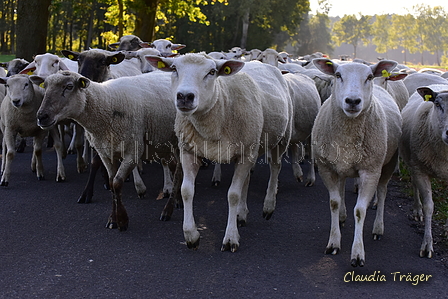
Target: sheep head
440 108
353 84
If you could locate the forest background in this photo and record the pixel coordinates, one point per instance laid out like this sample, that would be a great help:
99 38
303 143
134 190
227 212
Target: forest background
30 27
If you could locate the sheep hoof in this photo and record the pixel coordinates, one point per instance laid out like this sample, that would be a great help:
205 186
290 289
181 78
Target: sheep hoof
106 186
193 245
60 179
216 183
40 178
165 217
241 223
374 206
229 247
111 225
377 237
5 184
123 228
331 250
357 262
267 216
424 253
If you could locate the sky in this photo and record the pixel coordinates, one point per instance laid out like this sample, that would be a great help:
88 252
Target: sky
372 7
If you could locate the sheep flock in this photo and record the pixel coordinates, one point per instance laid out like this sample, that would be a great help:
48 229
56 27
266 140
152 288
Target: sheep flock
143 101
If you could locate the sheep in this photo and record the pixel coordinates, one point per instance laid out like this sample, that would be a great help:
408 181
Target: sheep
103 65
128 43
356 134
228 111
393 83
99 66
165 47
121 118
145 67
14 66
18 116
44 65
2 86
424 148
306 103
218 55
416 80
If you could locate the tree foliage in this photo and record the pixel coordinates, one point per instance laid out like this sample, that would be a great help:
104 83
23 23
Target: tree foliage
352 30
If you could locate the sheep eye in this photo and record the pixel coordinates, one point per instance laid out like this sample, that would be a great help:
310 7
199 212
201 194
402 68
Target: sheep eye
69 86
338 75
370 77
212 72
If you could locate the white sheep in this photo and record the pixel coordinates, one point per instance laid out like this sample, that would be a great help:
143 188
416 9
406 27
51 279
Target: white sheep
128 43
145 67
356 134
44 65
424 149
121 118
228 111
306 103
165 47
393 83
416 80
18 116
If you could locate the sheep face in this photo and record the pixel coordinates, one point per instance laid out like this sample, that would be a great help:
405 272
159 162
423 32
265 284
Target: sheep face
64 98
165 47
353 84
193 79
15 66
95 64
440 109
127 43
19 88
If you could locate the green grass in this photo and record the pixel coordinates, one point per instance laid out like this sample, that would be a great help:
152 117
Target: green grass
6 58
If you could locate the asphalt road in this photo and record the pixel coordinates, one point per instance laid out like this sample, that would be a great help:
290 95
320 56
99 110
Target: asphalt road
53 247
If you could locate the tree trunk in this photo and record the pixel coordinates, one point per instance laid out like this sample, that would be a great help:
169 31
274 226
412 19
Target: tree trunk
245 29
146 20
32 21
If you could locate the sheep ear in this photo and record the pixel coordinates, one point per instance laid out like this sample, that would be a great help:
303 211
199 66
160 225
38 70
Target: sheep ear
62 66
83 82
229 67
3 80
4 64
29 68
396 76
427 93
163 64
325 65
177 46
37 80
383 68
145 45
115 59
72 55
114 46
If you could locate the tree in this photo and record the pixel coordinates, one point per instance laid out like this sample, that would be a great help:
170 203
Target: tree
381 33
352 30
32 20
403 34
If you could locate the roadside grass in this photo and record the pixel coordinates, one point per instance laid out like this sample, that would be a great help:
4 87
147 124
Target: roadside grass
6 58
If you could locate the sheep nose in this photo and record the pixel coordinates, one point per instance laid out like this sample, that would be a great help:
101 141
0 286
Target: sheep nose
352 102
185 100
16 102
41 117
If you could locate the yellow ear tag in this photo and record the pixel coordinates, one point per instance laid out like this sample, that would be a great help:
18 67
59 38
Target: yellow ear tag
227 70
41 85
427 97
71 56
30 73
83 83
385 74
160 64
329 63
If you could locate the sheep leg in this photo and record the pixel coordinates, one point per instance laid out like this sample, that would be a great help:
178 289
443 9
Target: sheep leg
216 178
368 184
275 163
78 139
335 186
87 193
242 207
57 144
311 177
167 180
190 168
423 184
380 196
37 155
417 208
234 197
296 169
8 153
138 183
173 199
